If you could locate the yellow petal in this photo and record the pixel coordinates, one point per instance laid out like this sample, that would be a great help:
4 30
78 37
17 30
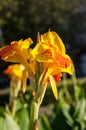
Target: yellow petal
20 45
53 86
26 43
69 69
55 41
16 70
53 69
19 59
40 53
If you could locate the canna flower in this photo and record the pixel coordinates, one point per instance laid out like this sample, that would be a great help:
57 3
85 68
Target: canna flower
18 52
45 64
15 70
51 52
18 74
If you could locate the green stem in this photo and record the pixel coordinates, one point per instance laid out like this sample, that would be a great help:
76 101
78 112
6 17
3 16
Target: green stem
34 115
36 105
15 95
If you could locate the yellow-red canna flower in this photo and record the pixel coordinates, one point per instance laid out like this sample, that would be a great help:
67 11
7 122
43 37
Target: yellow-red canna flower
51 51
17 73
15 70
18 51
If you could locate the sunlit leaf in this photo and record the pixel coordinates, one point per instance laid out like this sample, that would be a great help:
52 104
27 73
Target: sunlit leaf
10 124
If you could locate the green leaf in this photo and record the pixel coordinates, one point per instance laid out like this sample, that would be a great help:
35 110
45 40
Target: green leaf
9 123
66 113
44 123
19 104
22 117
81 110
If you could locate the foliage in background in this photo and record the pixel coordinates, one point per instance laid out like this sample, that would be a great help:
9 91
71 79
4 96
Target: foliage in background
22 18
71 108
69 112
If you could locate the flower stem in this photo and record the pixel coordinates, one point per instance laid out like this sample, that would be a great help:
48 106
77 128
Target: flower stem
15 95
34 115
36 105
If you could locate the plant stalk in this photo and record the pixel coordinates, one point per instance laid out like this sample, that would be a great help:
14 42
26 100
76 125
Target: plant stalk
34 112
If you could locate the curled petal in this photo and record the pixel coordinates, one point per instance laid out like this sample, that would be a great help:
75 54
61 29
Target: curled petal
69 69
20 45
55 41
41 53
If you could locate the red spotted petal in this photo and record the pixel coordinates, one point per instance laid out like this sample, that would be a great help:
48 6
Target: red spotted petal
6 51
57 77
63 62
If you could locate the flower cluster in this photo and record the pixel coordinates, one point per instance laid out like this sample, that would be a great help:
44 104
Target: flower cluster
45 62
